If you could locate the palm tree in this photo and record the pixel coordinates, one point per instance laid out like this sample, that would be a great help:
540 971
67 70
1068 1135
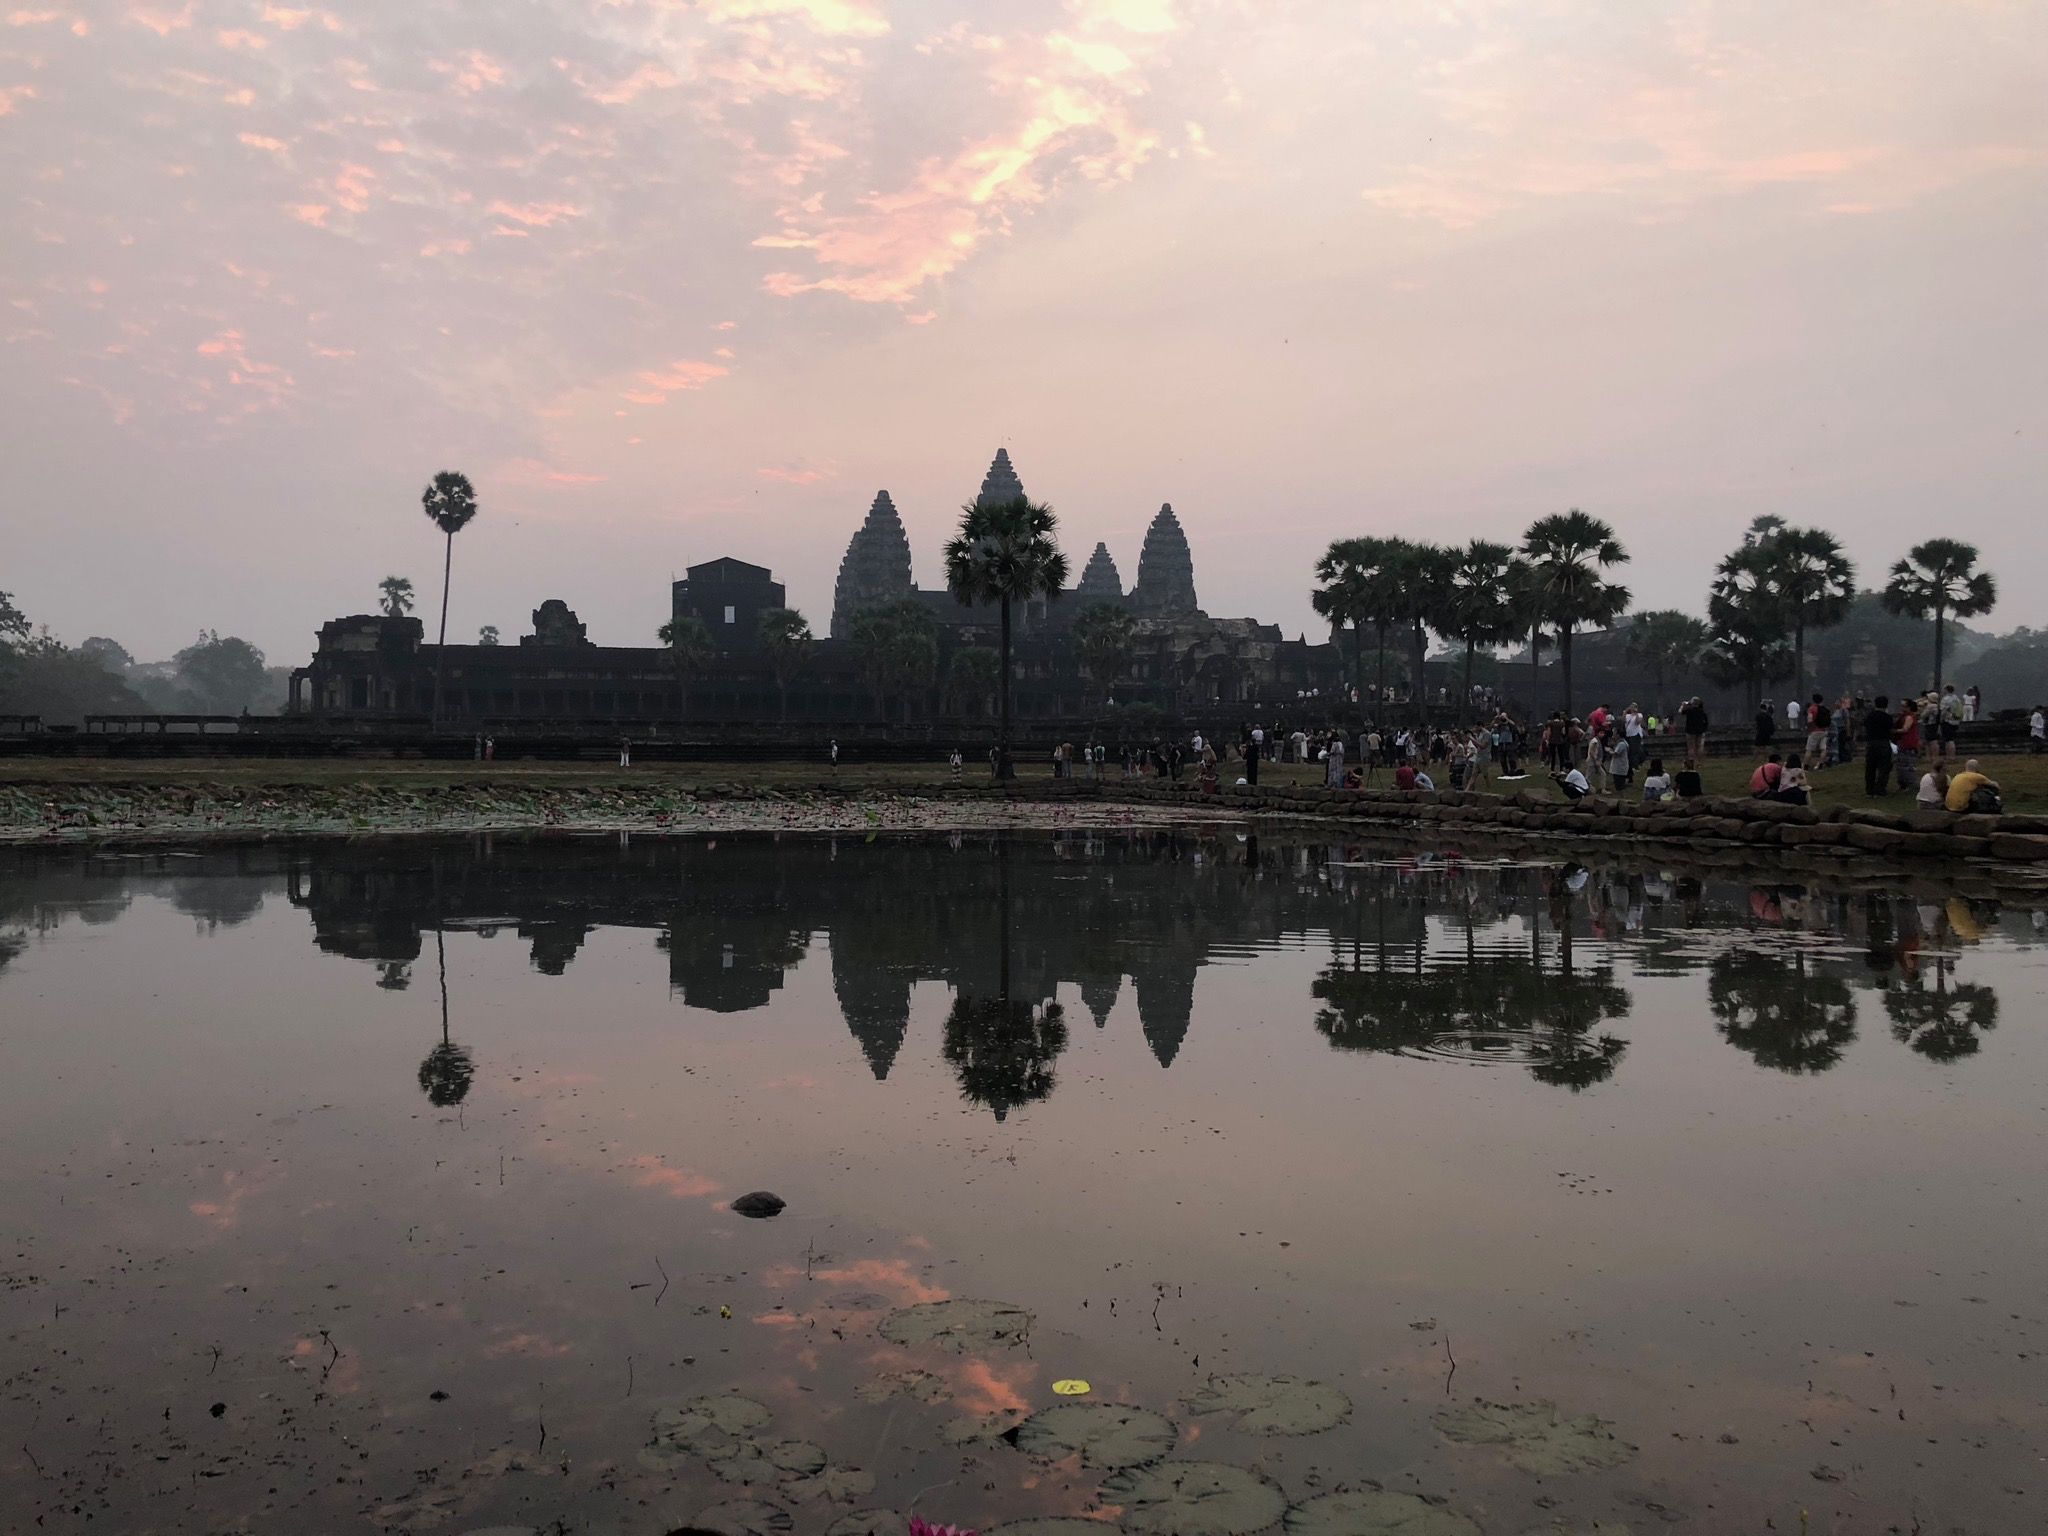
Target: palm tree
1665 640
1482 602
1940 578
1815 583
1004 553
897 645
1569 551
1104 633
786 636
449 502
1746 613
1361 586
1525 602
397 597
689 643
1425 602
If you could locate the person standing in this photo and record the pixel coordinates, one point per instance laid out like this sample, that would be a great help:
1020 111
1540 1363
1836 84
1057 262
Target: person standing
1817 717
1253 751
1695 717
1334 764
1951 719
1906 738
1877 748
2037 731
1766 730
833 752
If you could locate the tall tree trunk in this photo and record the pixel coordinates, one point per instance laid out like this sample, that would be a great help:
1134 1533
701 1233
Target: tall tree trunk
1535 672
1564 654
1004 768
1358 659
1421 639
441 647
1379 697
1003 896
1799 657
1465 703
1937 649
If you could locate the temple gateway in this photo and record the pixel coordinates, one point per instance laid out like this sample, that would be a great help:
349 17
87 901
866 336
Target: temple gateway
371 668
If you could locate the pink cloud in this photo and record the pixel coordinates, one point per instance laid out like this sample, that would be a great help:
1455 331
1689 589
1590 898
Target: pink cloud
263 142
685 373
314 214
241 39
536 215
538 473
32 18
12 95
445 248
837 18
162 22
352 185
794 476
471 71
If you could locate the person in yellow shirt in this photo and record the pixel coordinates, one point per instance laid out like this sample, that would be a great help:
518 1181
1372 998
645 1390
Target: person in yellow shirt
1966 784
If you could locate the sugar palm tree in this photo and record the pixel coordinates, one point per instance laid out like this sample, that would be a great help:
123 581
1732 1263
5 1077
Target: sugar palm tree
1482 602
689 646
1361 586
397 598
1569 552
449 502
1424 601
1103 633
1746 618
1665 641
786 636
448 1071
1815 583
1004 553
1940 579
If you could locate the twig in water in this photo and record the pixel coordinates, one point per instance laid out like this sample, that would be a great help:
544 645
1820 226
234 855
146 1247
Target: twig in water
501 1168
31 1455
216 1359
935 1487
664 1281
810 1256
1454 1363
334 1358
629 1375
540 1413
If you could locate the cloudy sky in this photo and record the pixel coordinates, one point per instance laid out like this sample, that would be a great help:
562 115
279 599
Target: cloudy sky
677 280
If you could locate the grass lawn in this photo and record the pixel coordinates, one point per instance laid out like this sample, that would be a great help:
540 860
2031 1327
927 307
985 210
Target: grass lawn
2023 778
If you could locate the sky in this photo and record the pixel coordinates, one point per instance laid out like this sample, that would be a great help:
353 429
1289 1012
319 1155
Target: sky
671 281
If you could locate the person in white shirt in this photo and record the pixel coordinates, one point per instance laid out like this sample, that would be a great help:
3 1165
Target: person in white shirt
1656 783
1574 785
1197 744
2037 730
1792 713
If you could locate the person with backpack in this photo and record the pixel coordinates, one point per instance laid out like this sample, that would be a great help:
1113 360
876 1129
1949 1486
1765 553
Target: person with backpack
1695 717
1975 792
1951 719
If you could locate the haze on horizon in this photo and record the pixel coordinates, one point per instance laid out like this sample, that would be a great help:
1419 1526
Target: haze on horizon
672 281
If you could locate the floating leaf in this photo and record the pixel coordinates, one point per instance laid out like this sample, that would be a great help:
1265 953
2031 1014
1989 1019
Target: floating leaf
714 1428
842 1485
1103 1434
1534 1437
1373 1513
766 1462
1072 1387
1273 1405
867 1522
745 1517
1056 1525
961 1324
1194 1498
918 1386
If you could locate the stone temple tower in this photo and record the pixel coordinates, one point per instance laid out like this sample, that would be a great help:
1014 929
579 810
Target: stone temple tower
1166 571
1001 483
1100 582
876 568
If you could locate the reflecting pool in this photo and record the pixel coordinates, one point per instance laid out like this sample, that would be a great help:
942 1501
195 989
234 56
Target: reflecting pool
386 1186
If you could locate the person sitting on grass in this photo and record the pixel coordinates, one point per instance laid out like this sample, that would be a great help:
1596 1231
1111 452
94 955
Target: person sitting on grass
1975 792
1933 794
1656 783
1792 788
1763 784
1573 784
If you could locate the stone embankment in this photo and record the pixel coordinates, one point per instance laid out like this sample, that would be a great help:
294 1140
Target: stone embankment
1705 821
34 811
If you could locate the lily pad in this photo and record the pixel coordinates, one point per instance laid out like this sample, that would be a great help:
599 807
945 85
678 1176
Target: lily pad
1535 1437
1273 1405
1108 1435
711 1428
745 1517
1055 1525
1194 1498
771 1461
842 1485
1371 1512
918 1386
867 1522
961 1324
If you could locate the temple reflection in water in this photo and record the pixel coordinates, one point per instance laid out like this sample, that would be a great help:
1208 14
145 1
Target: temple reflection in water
1437 957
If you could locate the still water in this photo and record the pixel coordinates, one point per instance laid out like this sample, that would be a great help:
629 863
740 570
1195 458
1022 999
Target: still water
385 1187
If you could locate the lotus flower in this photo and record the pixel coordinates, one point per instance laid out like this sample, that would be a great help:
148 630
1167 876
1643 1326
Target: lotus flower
926 1528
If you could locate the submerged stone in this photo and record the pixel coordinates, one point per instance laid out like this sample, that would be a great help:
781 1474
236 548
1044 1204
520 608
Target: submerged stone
760 1204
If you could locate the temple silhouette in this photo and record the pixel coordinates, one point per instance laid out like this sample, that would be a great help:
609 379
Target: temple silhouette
372 669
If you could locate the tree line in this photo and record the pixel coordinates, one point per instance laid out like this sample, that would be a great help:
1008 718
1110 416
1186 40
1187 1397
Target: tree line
1767 597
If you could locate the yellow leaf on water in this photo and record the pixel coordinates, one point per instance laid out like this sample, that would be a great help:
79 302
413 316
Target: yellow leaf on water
1072 1388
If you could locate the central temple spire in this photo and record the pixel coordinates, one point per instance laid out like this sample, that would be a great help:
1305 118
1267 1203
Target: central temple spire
1166 570
1001 483
876 568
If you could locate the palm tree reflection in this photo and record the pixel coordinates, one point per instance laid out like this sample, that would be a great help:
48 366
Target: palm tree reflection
447 1072
1942 1022
1002 1049
1783 1013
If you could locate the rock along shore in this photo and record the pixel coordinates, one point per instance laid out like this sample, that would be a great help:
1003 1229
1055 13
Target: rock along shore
44 810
